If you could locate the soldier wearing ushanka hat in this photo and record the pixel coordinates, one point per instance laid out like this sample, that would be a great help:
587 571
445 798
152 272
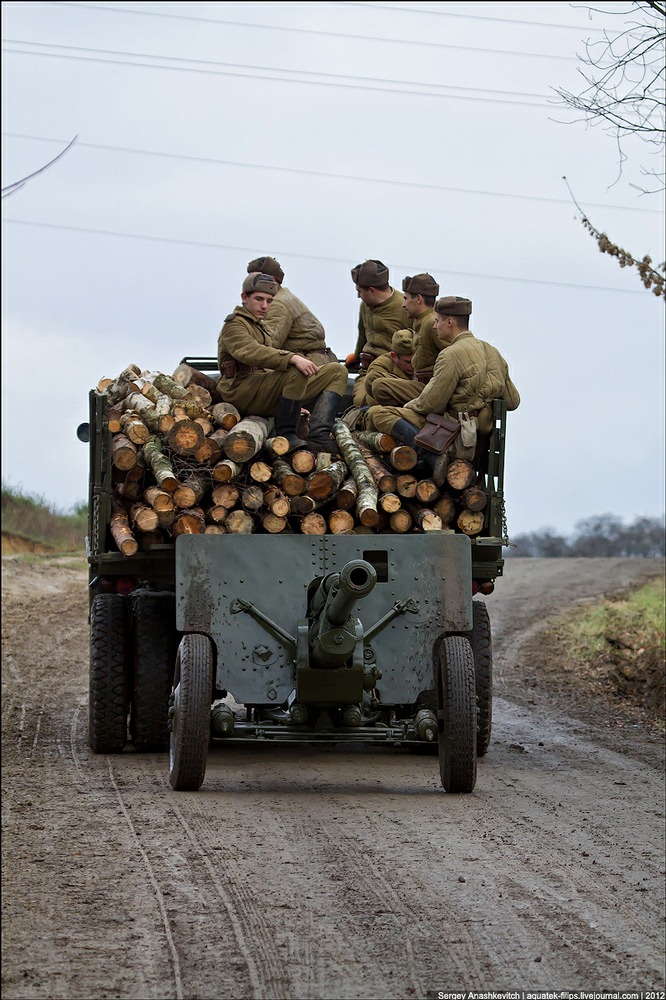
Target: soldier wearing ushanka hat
262 380
291 324
468 375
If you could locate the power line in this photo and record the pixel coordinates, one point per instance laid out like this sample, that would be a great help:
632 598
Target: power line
331 175
302 256
313 31
475 17
272 69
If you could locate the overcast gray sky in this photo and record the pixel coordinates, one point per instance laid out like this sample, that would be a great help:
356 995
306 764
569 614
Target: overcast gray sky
427 135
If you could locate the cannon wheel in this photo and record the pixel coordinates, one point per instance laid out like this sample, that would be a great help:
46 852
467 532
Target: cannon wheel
109 682
482 647
456 713
189 711
154 654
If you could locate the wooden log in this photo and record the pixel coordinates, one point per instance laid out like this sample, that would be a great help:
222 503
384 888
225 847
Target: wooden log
403 458
252 497
214 529
303 504
129 489
225 415
166 518
461 474
325 483
224 471
446 508
383 477
169 387
225 495
149 539
313 524
121 531
205 423
426 519
474 498
376 441
347 495
124 454
427 492
185 437
470 522
276 501
340 522
366 504
104 384
123 385
322 460
390 503
191 490
289 481
208 453
134 428
401 522
191 408
113 415
302 461
405 485
273 524
142 517
247 438
160 465
239 522
143 408
260 472
216 514
189 522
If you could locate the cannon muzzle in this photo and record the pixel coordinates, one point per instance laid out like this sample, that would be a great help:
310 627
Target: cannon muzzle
333 631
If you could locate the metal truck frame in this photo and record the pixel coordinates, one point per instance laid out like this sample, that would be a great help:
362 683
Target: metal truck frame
258 637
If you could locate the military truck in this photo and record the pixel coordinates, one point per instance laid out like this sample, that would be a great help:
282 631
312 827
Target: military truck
318 639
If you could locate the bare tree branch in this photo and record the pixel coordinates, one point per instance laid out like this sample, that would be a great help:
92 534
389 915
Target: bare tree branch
17 185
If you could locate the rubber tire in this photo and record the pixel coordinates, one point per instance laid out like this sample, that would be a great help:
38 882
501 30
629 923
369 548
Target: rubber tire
190 713
108 699
154 648
482 648
456 713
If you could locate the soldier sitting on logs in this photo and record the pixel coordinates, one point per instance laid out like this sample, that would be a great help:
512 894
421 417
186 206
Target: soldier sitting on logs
262 380
467 376
387 369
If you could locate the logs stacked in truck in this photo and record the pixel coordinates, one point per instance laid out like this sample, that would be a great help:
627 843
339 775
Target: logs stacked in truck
184 462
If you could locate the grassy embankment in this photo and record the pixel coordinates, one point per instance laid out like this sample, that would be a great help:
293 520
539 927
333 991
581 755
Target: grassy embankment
34 525
615 649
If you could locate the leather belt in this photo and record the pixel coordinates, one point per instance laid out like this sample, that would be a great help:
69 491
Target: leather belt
232 368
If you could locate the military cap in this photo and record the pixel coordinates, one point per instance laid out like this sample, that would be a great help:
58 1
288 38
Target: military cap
370 274
267 265
421 284
453 305
258 282
402 343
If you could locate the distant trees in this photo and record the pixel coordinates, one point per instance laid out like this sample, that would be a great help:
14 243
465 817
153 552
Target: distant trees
601 536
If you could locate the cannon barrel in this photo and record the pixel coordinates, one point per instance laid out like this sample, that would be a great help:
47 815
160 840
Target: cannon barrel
355 580
333 632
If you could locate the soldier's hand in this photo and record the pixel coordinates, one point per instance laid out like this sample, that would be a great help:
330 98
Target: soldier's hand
304 365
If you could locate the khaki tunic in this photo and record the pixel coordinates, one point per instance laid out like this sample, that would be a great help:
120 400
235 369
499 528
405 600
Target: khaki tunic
383 369
294 328
244 339
467 376
377 324
426 343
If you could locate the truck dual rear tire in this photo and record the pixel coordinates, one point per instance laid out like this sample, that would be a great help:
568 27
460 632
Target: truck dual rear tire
482 648
154 648
456 713
109 674
189 710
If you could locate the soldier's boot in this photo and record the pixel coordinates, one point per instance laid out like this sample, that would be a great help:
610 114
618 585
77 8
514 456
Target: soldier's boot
287 414
438 465
322 416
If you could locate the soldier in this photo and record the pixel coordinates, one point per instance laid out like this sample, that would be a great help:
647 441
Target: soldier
421 292
467 376
380 315
289 321
387 369
264 380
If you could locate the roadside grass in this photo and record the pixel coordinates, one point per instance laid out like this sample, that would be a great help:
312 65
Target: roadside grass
34 519
616 648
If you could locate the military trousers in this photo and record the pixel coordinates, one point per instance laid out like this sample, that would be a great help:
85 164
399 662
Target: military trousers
391 390
257 393
384 418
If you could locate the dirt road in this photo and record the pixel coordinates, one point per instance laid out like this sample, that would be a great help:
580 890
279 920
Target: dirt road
307 873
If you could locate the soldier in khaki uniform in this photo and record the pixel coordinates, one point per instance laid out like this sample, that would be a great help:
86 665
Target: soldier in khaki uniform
467 376
290 323
380 315
395 367
267 381
421 291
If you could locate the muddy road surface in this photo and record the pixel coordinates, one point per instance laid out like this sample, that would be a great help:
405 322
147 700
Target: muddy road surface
313 873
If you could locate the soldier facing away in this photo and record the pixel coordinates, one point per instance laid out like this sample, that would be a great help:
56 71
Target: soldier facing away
289 321
266 381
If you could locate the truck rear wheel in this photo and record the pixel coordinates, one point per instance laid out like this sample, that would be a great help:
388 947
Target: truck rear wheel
482 647
456 713
154 646
108 699
189 711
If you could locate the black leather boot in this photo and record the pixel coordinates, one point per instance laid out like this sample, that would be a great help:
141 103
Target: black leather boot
405 432
322 416
287 413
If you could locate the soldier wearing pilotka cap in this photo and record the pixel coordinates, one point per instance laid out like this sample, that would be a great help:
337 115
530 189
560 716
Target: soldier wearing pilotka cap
262 380
389 369
467 376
